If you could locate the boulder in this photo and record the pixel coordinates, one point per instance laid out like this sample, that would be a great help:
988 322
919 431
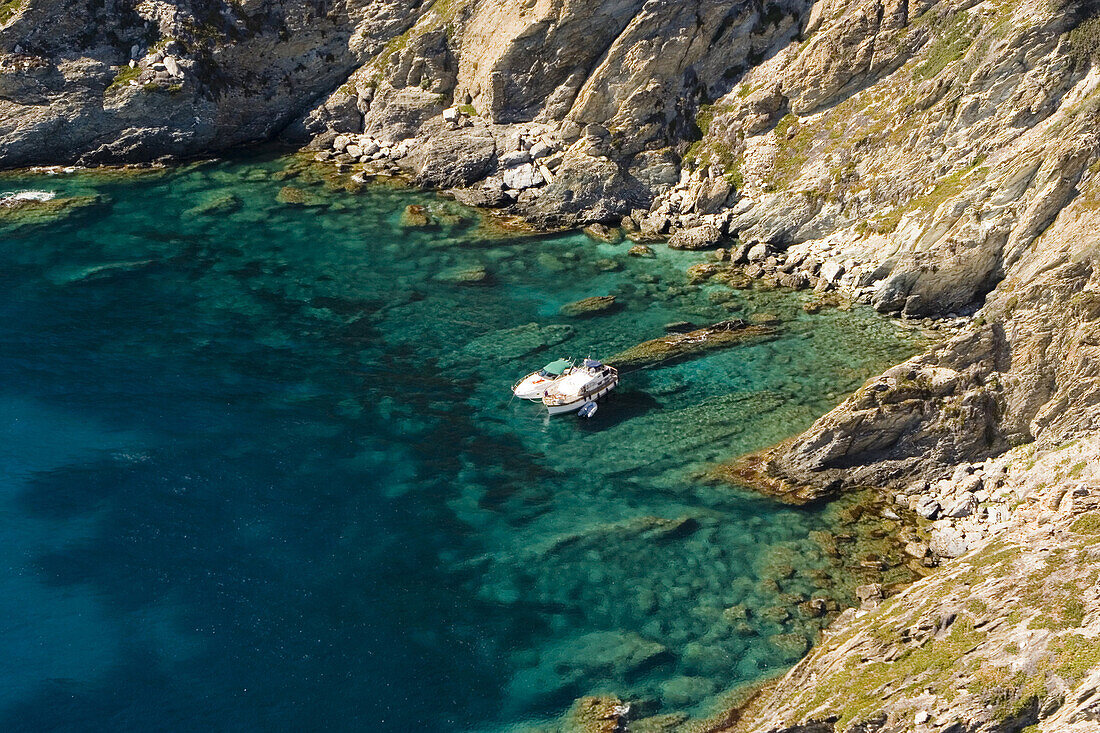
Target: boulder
963 507
927 507
483 196
831 272
698 237
971 483
603 233
522 177
540 150
757 253
712 195
948 542
453 158
515 159
869 595
641 250
585 188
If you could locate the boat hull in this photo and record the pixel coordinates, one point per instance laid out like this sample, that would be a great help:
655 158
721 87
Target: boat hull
582 401
532 388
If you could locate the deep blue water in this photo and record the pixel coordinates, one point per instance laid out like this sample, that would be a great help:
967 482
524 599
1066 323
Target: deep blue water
259 468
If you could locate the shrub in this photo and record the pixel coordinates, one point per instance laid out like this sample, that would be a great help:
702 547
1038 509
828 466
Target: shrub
124 76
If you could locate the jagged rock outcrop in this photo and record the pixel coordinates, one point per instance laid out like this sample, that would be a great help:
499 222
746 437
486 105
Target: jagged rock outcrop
122 82
589 104
928 144
1026 370
1006 637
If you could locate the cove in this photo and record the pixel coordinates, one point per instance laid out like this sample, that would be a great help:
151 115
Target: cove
260 468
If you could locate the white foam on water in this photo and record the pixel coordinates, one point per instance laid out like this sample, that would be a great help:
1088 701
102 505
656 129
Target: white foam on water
12 197
53 170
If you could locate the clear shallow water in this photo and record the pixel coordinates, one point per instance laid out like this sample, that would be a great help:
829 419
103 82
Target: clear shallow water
259 469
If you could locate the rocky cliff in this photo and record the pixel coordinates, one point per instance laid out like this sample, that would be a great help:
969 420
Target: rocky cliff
92 82
933 158
1005 638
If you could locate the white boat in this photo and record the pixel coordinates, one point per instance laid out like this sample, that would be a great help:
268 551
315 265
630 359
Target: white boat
535 384
586 383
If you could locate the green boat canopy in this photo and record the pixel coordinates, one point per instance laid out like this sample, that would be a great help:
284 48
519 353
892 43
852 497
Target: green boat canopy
555 368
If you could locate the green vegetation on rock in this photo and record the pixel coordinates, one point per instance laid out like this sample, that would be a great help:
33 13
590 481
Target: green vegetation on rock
10 8
712 150
125 75
1084 41
1087 524
793 141
944 190
950 46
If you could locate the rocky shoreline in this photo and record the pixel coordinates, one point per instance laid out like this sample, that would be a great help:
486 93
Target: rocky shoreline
936 159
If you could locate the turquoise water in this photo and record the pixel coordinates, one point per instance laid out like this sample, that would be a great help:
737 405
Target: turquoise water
259 468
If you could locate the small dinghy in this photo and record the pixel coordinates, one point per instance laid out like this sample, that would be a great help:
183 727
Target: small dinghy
535 384
588 410
581 387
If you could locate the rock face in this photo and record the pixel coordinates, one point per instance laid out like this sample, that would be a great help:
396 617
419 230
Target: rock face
1025 370
1003 638
201 80
588 106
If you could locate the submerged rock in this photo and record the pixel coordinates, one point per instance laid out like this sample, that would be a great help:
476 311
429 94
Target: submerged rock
512 343
828 300
765 319
641 250
415 216
682 345
67 276
216 205
607 655
27 210
597 715
464 275
681 691
294 196
791 646
596 305
702 272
